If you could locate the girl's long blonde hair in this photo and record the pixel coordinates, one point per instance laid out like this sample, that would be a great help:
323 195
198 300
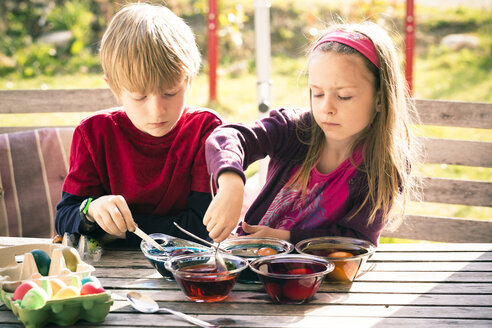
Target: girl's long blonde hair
389 147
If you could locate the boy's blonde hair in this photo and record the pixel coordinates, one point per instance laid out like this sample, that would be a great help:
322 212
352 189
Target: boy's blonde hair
148 49
389 147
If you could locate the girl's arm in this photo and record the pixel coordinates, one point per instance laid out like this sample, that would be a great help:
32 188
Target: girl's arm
233 147
223 213
230 150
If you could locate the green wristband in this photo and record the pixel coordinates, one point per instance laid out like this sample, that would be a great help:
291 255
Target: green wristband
86 208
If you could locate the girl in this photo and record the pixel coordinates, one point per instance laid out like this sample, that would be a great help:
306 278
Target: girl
337 170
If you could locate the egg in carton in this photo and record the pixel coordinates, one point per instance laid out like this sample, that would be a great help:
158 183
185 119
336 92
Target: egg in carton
40 260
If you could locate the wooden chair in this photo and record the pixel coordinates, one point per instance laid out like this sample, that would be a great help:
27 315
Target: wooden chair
436 190
453 191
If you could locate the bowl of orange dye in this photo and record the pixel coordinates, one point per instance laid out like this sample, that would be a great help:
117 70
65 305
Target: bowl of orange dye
198 278
348 255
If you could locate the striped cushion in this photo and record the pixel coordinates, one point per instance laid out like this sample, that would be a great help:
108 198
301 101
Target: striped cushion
33 166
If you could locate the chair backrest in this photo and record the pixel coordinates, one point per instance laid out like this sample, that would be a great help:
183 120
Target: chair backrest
447 151
34 159
33 166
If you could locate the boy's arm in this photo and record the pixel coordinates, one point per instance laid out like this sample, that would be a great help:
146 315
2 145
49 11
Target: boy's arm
189 219
68 219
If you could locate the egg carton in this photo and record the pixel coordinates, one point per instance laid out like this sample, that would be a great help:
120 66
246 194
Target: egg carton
13 272
65 312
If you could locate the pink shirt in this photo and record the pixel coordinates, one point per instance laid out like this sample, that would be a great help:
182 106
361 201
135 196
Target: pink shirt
324 203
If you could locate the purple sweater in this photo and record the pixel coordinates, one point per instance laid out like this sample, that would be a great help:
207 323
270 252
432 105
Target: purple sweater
234 147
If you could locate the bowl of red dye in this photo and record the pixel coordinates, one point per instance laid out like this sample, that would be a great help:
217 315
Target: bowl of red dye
198 278
291 278
348 254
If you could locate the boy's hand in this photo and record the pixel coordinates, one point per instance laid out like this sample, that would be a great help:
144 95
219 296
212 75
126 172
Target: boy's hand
223 213
112 214
260 231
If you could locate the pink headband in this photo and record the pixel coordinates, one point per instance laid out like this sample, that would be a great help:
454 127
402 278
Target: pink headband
353 39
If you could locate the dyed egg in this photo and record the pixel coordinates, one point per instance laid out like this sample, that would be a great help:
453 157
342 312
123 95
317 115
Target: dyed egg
264 251
34 299
90 288
22 289
90 279
344 270
42 261
340 254
72 258
66 292
56 285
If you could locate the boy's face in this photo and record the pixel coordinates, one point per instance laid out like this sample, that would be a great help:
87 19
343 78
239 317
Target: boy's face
155 114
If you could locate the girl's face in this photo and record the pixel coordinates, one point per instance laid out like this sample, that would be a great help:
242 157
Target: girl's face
343 96
155 114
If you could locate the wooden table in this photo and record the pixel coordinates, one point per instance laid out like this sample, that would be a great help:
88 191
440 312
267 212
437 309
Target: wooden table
403 285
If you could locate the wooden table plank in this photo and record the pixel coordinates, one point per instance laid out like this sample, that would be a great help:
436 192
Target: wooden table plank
435 247
260 297
395 276
336 310
356 287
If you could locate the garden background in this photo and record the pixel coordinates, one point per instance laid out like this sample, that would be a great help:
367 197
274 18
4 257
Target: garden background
51 44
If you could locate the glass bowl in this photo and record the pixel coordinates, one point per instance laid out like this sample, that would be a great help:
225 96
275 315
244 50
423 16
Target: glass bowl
251 248
291 278
348 254
197 276
173 246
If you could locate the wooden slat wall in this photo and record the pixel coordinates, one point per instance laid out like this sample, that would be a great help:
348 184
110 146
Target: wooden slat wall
437 151
443 229
455 113
452 191
52 101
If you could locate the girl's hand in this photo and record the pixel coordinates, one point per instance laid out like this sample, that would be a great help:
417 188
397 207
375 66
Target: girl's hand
223 213
260 231
112 214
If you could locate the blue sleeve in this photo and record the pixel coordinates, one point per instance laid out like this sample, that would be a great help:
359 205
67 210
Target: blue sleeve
68 219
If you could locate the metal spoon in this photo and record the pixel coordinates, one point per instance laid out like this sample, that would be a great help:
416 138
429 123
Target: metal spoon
219 260
145 304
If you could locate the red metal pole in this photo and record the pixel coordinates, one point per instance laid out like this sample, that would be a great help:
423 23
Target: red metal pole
409 43
212 24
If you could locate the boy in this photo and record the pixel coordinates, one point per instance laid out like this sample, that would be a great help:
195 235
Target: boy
142 163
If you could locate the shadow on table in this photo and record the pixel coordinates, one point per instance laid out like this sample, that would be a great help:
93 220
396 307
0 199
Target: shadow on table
450 300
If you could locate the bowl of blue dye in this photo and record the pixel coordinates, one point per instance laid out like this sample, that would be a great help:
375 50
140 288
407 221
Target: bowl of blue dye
173 246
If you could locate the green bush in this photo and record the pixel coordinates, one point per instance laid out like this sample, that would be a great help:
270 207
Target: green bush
27 21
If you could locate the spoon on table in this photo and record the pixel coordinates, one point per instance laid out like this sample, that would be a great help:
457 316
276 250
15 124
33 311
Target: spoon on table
219 260
145 304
